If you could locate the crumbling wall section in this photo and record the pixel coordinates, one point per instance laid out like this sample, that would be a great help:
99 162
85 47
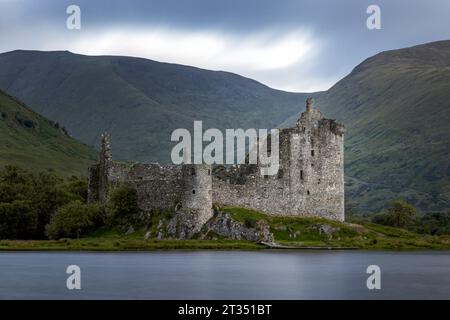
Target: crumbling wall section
158 187
310 179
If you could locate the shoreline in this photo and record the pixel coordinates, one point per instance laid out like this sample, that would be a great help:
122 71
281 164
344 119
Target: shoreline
118 245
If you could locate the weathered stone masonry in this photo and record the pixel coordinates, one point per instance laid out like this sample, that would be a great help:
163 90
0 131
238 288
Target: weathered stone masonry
186 188
310 181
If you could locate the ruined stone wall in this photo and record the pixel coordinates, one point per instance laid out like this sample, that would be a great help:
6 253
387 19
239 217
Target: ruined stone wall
244 186
94 184
186 187
98 174
310 180
157 186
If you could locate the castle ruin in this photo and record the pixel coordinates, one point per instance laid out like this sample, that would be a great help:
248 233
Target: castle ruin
309 182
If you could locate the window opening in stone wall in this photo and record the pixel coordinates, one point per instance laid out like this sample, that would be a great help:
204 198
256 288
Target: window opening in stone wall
280 173
193 191
301 174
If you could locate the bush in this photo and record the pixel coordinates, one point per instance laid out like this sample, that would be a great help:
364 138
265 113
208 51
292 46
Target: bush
74 220
18 220
400 215
123 206
77 187
434 223
250 222
48 195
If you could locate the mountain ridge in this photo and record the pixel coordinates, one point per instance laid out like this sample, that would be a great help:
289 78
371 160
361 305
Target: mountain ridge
148 99
394 105
396 108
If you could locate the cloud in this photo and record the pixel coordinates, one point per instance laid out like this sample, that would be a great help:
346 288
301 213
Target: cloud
293 45
206 49
279 59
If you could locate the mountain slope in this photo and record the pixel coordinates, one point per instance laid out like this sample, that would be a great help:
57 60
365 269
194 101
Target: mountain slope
33 142
396 107
138 101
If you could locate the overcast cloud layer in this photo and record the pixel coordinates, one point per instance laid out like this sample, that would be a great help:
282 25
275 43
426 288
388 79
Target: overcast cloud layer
291 45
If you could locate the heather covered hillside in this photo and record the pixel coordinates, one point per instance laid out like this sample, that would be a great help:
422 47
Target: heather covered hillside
33 142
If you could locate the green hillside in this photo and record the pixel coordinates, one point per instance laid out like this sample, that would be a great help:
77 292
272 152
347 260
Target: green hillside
33 142
396 107
138 101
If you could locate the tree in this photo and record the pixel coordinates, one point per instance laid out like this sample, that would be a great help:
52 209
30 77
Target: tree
78 187
74 220
15 184
123 206
401 214
434 223
48 196
33 198
18 220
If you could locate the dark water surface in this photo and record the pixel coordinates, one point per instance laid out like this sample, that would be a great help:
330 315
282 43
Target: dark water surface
225 275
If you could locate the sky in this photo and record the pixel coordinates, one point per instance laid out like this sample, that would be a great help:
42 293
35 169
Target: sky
292 45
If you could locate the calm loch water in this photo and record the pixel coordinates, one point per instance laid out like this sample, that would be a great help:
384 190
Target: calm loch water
226 275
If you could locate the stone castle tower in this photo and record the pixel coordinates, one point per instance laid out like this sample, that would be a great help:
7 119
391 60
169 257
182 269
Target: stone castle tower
310 179
197 195
98 175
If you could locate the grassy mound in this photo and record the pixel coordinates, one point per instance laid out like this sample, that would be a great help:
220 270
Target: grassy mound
298 232
320 232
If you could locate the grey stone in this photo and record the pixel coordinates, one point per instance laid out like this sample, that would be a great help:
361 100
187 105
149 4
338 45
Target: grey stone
310 181
223 225
327 230
130 230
